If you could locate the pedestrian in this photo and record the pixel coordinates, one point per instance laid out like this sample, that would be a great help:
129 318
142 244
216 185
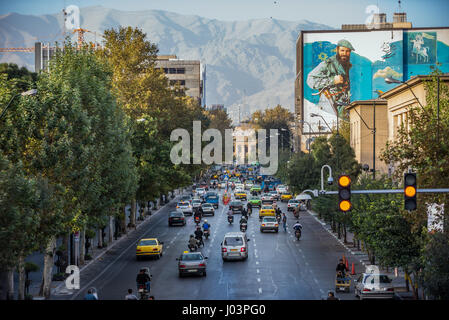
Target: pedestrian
284 222
90 295
331 296
151 298
130 295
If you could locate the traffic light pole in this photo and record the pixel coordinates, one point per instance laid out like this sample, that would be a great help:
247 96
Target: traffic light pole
442 190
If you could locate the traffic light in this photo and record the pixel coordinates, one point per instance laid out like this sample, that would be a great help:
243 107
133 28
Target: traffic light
410 191
344 193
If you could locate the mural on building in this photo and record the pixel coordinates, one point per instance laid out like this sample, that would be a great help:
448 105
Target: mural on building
341 67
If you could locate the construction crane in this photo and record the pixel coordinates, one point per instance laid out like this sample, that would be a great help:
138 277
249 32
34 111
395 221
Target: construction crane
17 49
81 33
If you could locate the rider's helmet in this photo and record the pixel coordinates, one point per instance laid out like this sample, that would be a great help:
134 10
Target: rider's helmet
297 221
192 236
205 221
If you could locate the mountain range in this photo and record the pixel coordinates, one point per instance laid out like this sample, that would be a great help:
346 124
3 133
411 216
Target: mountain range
249 63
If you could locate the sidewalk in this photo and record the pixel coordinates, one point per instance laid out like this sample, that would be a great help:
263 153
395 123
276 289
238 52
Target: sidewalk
58 287
398 282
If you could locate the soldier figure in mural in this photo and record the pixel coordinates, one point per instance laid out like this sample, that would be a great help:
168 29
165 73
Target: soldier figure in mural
331 79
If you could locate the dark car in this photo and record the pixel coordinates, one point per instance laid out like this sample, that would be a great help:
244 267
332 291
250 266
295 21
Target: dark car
176 217
236 206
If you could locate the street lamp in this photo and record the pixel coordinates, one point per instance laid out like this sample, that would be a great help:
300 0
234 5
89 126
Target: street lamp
318 115
31 92
310 128
391 80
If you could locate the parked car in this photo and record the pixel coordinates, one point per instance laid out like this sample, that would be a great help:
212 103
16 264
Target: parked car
176 217
373 286
192 263
234 246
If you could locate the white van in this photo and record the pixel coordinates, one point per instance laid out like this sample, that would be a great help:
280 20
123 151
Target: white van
234 246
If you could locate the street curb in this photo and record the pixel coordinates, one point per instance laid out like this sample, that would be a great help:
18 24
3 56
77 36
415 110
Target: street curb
329 230
145 222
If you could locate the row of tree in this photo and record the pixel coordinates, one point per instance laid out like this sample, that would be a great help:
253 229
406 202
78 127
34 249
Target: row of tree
392 236
94 138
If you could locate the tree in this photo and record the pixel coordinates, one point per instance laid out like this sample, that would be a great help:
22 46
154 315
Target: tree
23 78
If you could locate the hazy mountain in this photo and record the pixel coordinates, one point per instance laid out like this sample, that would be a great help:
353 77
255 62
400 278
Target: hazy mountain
249 63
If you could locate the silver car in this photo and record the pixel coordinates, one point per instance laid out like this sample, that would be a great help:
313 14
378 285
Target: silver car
208 208
234 246
196 203
192 263
373 286
185 207
269 223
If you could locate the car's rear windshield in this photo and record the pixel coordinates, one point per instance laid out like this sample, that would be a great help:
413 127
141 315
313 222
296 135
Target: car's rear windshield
267 207
377 278
182 204
293 201
191 257
207 204
233 241
147 243
236 203
176 214
270 219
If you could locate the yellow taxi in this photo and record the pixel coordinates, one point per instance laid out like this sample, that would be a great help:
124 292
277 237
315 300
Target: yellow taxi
240 195
285 196
149 247
266 211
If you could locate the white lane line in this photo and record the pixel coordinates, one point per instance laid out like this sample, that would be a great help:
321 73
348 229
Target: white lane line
257 262
258 271
260 290
258 279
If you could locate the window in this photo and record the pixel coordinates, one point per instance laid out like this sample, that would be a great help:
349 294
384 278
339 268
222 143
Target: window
180 82
174 70
233 241
191 257
148 243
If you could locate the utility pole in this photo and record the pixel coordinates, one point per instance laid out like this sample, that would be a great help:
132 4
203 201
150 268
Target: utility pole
374 140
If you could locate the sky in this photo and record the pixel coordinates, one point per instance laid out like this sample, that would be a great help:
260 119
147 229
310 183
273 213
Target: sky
334 13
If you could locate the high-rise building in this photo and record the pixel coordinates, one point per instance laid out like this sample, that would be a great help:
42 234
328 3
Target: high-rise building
186 73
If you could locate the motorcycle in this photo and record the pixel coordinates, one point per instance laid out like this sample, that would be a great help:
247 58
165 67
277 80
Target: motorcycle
278 218
197 220
143 293
206 233
193 248
298 234
230 219
243 227
199 241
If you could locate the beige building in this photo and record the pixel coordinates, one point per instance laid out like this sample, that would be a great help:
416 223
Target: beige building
186 73
391 113
369 131
245 145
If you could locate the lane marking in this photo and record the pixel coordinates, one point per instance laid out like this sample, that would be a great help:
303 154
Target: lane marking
260 290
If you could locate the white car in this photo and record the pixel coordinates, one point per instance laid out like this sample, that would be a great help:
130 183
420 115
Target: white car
239 186
292 204
185 207
281 189
196 203
373 286
248 185
269 223
234 246
200 191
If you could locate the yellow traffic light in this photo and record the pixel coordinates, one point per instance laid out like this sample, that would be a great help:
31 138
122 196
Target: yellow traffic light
344 181
345 205
410 191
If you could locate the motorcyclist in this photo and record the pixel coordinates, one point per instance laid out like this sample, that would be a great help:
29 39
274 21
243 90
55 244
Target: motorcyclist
245 213
143 278
341 267
297 226
243 220
230 215
206 225
199 236
192 242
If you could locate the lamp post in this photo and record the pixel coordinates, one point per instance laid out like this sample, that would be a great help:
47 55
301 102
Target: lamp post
31 92
310 128
318 115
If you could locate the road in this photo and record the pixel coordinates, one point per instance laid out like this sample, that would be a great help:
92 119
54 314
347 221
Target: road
279 267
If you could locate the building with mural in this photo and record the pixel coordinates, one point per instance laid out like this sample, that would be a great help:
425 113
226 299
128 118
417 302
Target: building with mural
338 67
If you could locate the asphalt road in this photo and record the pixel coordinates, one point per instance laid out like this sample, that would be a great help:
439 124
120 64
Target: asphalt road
279 267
